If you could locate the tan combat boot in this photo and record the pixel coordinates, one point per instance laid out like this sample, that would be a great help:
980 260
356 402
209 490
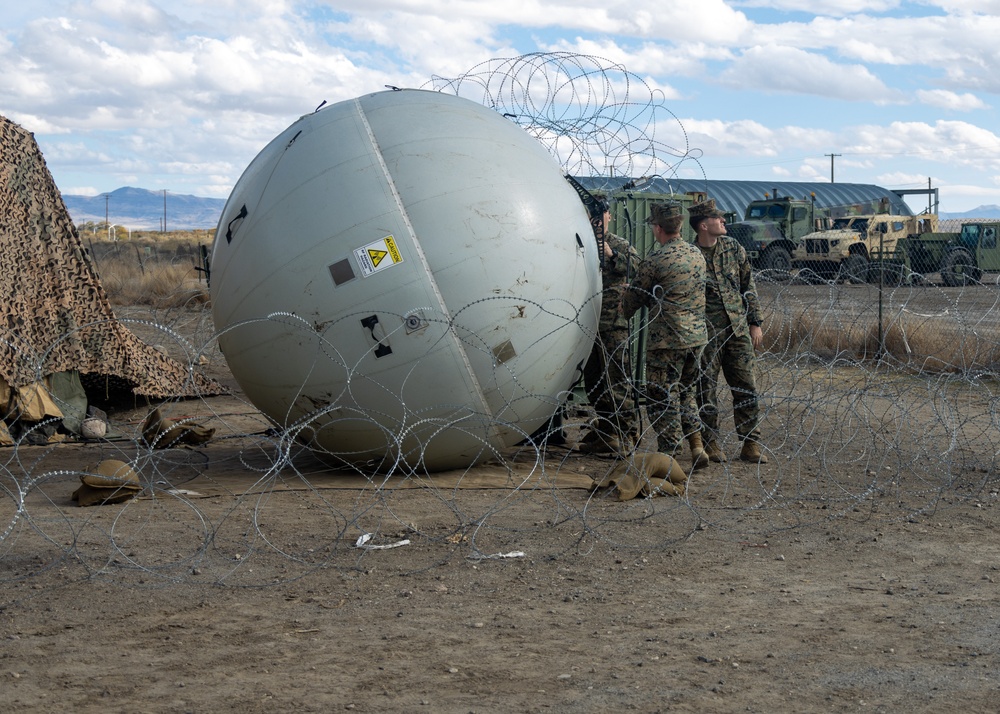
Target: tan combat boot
699 459
715 452
752 452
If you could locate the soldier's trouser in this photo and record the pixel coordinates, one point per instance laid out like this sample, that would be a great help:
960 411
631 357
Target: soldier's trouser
671 395
607 376
735 358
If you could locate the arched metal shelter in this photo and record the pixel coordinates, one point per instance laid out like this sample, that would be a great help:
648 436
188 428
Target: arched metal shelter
735 195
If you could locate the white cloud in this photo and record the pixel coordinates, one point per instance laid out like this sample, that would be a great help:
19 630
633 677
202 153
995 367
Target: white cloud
813 170
834 8
711 21
950 100
968 196
714 21
868 52
36 124
80 191
952 142
749 140
131 15
928 149
955 51
978 7
902 178
775 68
959 40
648 60
429 44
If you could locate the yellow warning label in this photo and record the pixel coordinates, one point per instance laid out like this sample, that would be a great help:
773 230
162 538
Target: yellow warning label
378 255
393 250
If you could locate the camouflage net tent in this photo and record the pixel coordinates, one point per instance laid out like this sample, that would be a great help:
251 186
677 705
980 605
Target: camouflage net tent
57 319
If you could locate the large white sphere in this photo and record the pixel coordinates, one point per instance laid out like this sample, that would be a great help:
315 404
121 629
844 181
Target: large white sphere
405 278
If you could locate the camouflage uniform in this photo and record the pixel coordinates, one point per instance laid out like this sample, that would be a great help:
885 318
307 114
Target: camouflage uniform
607 374
731 306
671 282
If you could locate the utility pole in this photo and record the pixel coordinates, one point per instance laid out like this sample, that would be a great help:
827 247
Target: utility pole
831 164
164 210
107 197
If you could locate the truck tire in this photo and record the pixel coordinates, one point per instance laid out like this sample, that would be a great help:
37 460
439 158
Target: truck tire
778 260
854 269
958 269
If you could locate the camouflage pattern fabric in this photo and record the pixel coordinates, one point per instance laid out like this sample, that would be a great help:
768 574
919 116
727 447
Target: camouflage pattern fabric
731 305
616 271
671 395
734 356
57 317
731 294
607 374
671 282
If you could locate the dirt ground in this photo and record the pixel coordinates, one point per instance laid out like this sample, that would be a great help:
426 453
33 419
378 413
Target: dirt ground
236 584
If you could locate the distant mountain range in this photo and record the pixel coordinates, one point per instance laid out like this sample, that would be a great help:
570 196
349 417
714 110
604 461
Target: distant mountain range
992 211
141 209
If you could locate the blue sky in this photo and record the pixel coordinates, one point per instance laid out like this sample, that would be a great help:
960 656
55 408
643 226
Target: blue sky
181 95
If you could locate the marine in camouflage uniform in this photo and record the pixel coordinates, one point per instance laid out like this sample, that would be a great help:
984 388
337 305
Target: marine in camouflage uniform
607 374
732 312
671 282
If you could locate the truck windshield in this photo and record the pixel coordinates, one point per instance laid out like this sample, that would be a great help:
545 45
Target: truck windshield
773 211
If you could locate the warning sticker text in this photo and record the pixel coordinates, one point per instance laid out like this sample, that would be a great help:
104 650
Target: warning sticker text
377 256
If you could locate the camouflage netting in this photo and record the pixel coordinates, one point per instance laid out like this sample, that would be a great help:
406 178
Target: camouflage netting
57 317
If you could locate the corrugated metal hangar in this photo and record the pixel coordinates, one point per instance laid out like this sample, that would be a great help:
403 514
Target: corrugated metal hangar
735 195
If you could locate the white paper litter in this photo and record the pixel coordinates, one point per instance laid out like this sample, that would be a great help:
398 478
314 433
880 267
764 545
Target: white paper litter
362 542
498 556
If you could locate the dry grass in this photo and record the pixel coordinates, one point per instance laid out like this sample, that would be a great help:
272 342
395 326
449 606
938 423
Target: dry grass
915 343
159 277
168 241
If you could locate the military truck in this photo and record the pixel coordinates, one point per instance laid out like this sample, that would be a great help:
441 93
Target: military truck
960 257
771 229
846 250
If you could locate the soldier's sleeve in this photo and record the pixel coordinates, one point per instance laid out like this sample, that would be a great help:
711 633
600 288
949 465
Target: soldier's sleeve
626 258
748 288
633 257
637 293
629 250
